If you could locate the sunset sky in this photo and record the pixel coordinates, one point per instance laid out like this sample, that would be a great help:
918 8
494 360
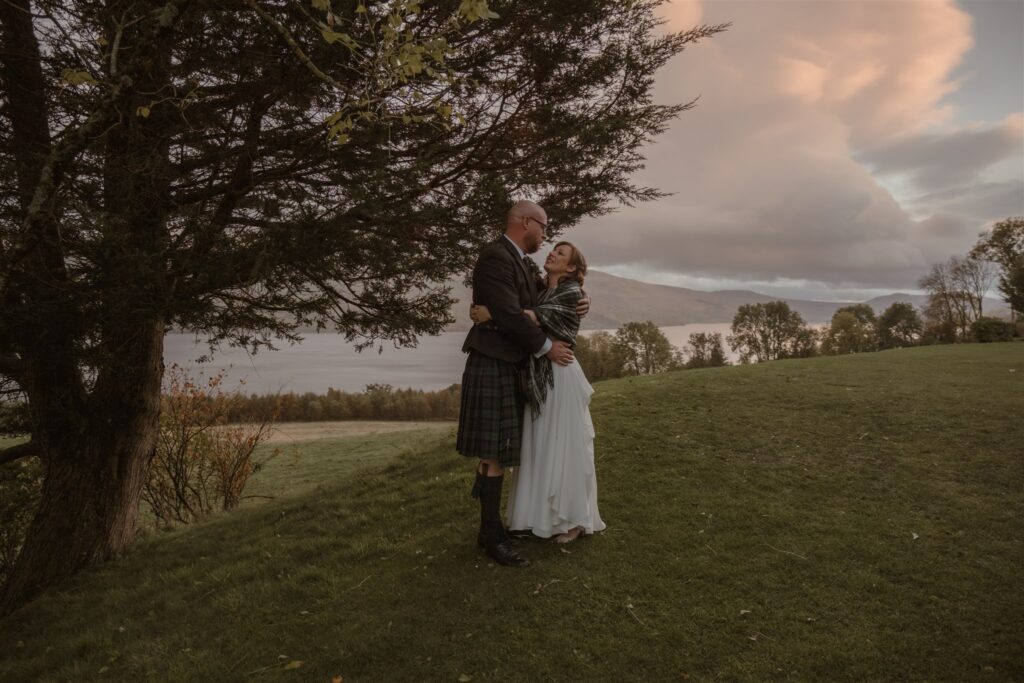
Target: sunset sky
838 149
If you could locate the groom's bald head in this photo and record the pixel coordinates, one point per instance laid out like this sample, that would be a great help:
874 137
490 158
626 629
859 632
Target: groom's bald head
525 225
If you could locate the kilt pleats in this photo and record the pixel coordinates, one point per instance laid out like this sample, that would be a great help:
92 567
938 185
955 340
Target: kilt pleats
491 412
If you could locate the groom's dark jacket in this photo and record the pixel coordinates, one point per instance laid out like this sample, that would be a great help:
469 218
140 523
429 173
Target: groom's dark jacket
502 282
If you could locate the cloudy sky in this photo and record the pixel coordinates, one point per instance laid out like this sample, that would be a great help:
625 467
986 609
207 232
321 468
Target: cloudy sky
838 149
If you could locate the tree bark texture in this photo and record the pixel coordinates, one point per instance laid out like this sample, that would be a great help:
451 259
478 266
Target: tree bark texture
96 431
93 480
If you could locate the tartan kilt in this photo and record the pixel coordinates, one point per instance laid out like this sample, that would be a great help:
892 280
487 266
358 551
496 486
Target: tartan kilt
491 413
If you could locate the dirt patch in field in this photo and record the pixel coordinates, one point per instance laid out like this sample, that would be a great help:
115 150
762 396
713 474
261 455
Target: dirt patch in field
308 431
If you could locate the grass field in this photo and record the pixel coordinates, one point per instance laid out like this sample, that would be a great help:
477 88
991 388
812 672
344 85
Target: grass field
846 518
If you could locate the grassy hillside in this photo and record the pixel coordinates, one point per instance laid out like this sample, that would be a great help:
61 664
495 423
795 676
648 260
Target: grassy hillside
849 518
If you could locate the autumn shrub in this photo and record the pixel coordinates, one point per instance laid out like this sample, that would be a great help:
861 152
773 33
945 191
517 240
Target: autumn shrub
201 463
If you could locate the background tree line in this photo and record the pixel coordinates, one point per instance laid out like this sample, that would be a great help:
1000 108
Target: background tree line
377 402
641 348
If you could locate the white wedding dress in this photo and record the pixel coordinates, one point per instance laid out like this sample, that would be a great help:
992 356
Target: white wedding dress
555 486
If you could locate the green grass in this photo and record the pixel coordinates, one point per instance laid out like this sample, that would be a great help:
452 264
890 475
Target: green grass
850 518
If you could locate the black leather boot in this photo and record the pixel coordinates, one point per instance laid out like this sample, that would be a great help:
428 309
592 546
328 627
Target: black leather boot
492 535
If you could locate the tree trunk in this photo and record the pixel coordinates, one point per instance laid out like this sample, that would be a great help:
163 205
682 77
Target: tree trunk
93 482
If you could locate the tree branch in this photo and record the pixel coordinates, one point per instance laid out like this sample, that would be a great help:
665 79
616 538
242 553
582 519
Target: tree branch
22 450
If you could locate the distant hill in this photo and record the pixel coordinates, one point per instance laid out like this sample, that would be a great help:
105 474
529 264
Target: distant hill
618 300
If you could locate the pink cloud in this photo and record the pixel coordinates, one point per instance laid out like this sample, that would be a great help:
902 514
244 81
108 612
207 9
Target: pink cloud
765 171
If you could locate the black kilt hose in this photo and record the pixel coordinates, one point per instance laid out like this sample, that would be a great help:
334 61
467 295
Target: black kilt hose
491 412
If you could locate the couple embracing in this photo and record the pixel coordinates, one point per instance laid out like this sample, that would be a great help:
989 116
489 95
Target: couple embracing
525 402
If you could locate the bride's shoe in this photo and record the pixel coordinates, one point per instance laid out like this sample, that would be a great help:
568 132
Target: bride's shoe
570 535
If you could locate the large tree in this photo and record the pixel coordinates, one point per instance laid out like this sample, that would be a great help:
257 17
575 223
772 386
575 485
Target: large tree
245 167
898 326
852 330
644 349
1004 246
599 356
956 292
705 350
770 331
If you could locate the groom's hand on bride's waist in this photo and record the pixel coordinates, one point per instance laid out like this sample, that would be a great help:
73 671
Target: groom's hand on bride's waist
583 305
560 353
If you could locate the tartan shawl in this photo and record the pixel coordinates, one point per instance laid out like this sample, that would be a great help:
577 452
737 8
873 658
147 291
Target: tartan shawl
556 314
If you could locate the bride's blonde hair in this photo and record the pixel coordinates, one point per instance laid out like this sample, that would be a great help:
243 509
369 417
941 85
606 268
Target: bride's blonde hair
575 259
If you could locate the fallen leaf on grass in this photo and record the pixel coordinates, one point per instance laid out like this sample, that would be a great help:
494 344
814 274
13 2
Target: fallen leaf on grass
744 611
465 678
294 664
914 536
336 679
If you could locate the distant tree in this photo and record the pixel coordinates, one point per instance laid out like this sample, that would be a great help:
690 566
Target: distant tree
705 350
645 349
898 326
974 277
770 331
247 168
599 356
852 330
1004 246
956 291
1012 287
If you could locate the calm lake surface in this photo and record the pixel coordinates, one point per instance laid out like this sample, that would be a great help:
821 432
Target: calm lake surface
325 361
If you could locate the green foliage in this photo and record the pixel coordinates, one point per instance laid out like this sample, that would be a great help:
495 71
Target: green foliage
14 419
770 331
899 326
1004 245
644 349
20 484
852 330
599 356
988 329
705 350
1011 285
831 518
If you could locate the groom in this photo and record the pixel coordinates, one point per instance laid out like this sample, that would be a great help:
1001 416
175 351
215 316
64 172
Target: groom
491 415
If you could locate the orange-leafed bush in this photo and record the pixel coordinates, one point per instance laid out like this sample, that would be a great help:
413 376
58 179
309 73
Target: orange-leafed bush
201 463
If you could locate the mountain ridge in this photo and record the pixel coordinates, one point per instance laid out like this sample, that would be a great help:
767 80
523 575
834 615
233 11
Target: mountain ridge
617 300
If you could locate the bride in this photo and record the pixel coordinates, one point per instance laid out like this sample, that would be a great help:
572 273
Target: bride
554 489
